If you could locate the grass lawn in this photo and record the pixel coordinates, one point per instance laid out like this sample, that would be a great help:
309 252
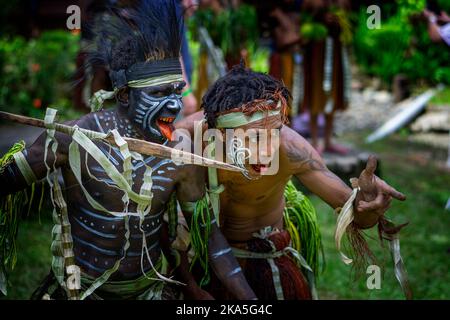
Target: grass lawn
442 97
425 242
33 256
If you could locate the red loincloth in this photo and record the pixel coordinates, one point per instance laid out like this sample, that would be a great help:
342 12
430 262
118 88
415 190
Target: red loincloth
258 272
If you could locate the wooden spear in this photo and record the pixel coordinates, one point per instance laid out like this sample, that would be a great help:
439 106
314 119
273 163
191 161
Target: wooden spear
136 145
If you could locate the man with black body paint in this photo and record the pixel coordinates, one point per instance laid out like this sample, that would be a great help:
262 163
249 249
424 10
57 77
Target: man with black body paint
145 70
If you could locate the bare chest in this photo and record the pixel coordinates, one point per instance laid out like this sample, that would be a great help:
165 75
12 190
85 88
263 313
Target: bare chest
251 197
101 184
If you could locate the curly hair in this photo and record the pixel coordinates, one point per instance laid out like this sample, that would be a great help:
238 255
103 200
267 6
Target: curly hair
239 87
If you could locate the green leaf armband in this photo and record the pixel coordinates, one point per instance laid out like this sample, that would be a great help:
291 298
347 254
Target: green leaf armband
187 92
200 231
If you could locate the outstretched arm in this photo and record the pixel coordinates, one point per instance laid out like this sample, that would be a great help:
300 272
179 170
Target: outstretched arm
18 169
220 256
373 199
307 165
12 175
433 27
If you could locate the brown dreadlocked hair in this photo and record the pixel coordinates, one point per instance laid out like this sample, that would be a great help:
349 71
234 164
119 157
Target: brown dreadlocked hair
244 90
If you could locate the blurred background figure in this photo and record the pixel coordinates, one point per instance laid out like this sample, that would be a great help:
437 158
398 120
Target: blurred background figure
88 78
190 104
438 26
226 31
286 41
92 12
325 31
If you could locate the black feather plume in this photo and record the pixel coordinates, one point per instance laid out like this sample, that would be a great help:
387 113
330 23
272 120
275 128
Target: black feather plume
149 31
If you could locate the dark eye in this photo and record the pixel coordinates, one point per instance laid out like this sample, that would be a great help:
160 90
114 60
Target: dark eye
158 94
179 88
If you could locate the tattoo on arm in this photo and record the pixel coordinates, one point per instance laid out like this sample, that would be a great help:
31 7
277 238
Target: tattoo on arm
303 159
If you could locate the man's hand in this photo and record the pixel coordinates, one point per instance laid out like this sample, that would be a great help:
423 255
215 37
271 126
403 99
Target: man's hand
428 14
194 292
444 17
374 197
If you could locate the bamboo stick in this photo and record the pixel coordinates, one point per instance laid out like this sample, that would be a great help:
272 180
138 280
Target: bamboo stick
136 145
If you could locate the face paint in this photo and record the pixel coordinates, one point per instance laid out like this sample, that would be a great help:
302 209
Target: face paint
154 115
238 153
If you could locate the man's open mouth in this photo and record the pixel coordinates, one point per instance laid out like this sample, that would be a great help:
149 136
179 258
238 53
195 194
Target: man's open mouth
166 127
258 168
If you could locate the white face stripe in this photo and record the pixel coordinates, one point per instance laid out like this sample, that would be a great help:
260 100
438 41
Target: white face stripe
148 107
155 81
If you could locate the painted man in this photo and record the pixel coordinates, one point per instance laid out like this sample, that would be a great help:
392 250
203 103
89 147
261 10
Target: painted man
112 226
257 210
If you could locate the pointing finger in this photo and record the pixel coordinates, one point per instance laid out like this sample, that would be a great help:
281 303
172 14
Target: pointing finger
371 165
392 192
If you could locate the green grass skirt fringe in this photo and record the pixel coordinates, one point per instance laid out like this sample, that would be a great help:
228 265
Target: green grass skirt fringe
11 209
200 230
300 220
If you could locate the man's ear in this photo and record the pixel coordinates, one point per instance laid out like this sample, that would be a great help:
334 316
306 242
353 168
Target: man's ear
122 97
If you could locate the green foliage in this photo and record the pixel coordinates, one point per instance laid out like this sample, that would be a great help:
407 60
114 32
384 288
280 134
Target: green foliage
310 29
401 45
259 60
442 97
381 51
36 74
34 257
232 29
313 31
406 8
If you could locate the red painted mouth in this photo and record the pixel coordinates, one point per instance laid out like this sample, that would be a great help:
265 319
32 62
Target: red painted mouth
166 127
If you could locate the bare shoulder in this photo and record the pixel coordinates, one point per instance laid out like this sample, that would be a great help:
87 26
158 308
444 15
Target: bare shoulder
298 152
89 121
182 141
293 145
290 137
